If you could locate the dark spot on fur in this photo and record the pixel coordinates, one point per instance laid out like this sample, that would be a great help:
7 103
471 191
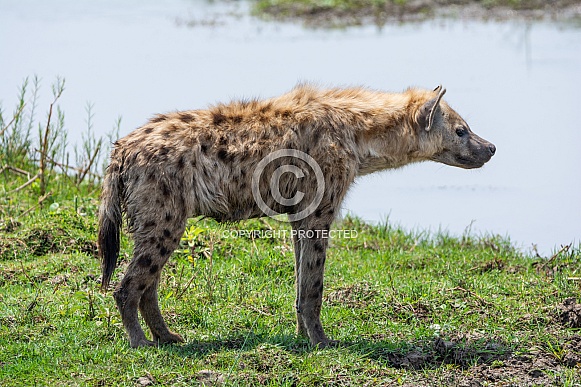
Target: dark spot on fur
318 213
159 118
168 217
265 108
142 287
165 134
149 224
204 148
186 117
151 177
222 154
148 130
320 262
153 269
237 119
181 163
316 136
151 240
144 261
166 233
218 118
242 186
175 240
163 251
113 168
165 190
163 151
317 284
319 246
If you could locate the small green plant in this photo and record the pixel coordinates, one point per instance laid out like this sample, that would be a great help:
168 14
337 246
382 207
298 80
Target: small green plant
39 164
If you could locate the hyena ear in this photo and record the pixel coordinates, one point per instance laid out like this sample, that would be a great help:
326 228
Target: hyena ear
429 109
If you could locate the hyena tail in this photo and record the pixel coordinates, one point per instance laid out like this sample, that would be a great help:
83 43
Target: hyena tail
110 219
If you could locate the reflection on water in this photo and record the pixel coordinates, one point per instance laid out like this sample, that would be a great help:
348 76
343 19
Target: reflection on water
517 84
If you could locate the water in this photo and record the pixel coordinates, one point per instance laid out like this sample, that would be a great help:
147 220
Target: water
517 84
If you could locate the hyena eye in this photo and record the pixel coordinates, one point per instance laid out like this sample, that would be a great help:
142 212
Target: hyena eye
461 132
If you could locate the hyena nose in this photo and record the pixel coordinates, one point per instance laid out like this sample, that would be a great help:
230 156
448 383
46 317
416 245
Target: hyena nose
492 149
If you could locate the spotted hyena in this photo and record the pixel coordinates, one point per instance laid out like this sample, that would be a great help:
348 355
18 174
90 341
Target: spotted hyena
204 162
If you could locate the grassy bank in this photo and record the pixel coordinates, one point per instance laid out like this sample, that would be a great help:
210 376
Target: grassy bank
328 13
405 308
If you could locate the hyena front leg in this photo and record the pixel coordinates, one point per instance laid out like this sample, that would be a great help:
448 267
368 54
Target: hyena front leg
155 240
312 245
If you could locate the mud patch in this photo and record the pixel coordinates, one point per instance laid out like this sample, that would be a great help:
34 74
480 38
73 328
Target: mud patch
481 363
439 352
572 352
569 313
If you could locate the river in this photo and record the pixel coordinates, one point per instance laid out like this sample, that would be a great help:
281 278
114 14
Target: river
517 83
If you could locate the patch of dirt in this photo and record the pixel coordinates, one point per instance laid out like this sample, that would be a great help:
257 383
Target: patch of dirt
209 378
572 352
146 380
357 295
41 242
494 264
569 314
449 352
483 363
10 225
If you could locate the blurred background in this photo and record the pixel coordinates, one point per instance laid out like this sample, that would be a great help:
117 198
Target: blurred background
516 80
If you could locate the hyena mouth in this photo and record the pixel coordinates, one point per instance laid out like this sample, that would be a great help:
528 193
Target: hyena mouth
469 163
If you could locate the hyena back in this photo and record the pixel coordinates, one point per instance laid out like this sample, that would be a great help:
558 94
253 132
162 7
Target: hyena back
201 162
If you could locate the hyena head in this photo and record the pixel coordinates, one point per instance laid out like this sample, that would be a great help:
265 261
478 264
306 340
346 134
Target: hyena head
448 138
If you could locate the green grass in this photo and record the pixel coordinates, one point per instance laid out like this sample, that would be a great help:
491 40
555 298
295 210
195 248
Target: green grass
389 295
348 12
406 308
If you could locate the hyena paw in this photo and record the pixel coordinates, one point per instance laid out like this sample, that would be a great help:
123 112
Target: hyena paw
321 342
169 338
143 343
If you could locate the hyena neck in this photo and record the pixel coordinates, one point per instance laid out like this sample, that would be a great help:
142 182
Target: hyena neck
389 138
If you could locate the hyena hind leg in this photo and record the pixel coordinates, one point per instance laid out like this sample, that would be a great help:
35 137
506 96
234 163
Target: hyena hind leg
138 289
149 308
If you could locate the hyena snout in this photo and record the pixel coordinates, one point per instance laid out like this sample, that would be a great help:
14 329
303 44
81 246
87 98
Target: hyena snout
467 151
476 154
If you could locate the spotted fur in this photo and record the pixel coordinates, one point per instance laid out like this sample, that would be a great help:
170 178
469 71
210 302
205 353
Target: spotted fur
200 162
